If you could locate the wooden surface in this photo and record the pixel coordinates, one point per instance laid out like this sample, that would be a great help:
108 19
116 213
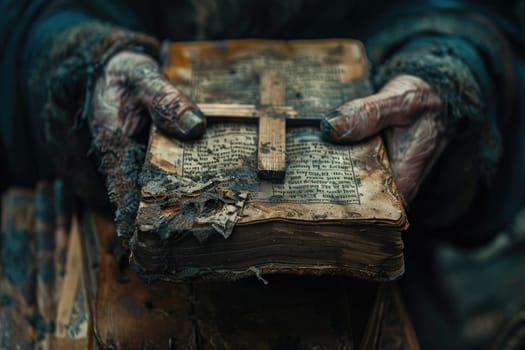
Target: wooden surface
74 323
227 112
389 326
35 311
130 314
280 312
17 269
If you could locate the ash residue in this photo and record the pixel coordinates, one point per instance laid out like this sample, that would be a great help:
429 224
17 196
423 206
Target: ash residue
121 159
177 206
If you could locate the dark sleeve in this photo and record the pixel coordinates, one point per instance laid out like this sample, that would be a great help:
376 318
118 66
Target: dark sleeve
470 62
53 53
24 28
15 146
60 85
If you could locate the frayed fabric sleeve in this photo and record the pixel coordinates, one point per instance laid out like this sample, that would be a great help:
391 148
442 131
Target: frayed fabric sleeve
60 90
466 60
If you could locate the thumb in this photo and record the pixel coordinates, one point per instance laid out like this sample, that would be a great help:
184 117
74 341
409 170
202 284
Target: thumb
398 103
170 109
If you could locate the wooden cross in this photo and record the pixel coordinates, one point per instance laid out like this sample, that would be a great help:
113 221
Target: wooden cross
272 115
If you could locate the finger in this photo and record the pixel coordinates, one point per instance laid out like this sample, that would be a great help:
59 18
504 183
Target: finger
170 109
396 104
413 150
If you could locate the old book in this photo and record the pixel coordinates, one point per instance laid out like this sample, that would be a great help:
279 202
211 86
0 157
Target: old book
262 192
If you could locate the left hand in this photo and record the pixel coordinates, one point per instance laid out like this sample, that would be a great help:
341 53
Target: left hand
131 91
407 110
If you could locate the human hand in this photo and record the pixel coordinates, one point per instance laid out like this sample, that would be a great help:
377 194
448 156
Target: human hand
406 109
131 91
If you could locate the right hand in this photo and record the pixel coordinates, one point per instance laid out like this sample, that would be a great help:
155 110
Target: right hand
408 111
131 91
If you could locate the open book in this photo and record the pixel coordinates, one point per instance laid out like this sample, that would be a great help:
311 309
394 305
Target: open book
209 209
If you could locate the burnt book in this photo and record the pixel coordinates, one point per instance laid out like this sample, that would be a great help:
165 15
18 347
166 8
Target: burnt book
261 191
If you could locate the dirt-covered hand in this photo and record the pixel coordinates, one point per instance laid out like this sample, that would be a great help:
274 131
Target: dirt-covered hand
133 88
407 110
131 92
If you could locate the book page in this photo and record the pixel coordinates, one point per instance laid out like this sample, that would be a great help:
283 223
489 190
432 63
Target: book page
323 181
316 171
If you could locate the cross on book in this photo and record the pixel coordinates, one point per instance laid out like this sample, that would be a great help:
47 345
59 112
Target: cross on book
272 114
203 215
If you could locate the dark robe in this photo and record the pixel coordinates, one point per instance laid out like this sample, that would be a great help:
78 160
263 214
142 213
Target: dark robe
471 54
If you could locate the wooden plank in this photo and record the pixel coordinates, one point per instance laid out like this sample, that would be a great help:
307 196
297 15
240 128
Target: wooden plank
234 110
131 314
389 325
74 320
271 152
272 88
228 110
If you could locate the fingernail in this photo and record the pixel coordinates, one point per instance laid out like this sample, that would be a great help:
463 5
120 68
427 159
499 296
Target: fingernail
331 124
326 126
192 123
